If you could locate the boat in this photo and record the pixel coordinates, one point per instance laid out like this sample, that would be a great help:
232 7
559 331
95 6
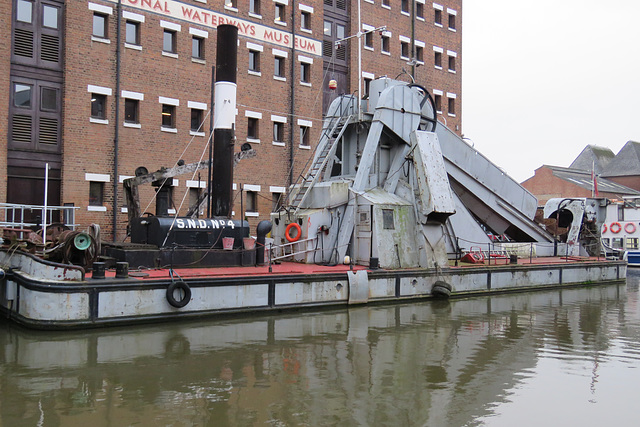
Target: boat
621 229
390 202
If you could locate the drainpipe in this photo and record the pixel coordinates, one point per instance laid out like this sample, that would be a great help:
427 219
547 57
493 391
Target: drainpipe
116 141
293 93
413 40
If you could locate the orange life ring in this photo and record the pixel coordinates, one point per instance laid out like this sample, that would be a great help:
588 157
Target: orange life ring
617 228
287 232
604 228
630 228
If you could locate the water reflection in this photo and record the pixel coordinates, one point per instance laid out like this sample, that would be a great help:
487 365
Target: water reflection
465 362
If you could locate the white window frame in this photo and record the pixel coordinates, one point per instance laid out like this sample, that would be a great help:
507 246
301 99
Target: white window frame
195 105
388 35
450 95
367 28
309 10
278 119
253 115
97 177
100 90
138 97
418 43
307 124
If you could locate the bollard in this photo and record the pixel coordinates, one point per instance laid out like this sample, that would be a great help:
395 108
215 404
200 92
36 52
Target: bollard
122 270
98 270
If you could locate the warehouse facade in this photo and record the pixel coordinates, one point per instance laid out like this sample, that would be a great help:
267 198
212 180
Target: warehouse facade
102 88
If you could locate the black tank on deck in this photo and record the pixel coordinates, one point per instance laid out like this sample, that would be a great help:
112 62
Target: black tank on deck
210 242
165 232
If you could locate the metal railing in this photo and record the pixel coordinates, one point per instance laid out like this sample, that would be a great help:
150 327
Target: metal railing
278 252
27 216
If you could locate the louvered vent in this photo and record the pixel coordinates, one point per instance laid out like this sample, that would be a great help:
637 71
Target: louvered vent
48 131
49 50
23 43
341 4
328 2
21 128
341 53
327 48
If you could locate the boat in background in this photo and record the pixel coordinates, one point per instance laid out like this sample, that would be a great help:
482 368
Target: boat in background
621 229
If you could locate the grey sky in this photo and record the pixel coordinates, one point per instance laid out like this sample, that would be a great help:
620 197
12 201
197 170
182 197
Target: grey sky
542 79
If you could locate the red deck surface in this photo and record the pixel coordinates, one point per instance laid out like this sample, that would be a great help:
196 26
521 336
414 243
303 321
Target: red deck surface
290 268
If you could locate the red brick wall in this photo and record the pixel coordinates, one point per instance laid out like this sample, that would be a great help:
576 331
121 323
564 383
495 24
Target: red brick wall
374 61
6 10
544 185
89 147
629 181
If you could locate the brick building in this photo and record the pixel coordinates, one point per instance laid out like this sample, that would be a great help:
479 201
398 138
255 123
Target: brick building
578 181
99 88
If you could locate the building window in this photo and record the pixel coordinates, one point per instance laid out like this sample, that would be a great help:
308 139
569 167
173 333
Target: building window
437 59
404 6
254 7
305 72
276 201
280 14
37 38
368 39
420 10
194 199
278 69
386 3
35 115
252 128
48 99
616 243
420 54
132 33
196 120
385 43
50 16
96 193
233 4
197 47
404 50
98 106
278 132
438 102
452 21
632 243
452 106
305 20
22 95
254 61
437 17
452 63
100 25
24 11
168 116
252 201
367 85
169 41
304 136
131 108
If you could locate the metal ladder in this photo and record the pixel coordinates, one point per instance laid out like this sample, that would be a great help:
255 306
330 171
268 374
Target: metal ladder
328 145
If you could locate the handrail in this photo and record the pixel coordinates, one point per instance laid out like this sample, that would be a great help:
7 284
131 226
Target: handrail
276 247
13 215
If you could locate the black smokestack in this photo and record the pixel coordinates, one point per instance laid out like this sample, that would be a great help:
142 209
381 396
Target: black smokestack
224 119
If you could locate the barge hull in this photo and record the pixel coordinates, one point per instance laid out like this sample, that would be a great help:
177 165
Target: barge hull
56 304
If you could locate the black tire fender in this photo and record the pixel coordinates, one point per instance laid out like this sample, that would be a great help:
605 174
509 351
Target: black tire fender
185 298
